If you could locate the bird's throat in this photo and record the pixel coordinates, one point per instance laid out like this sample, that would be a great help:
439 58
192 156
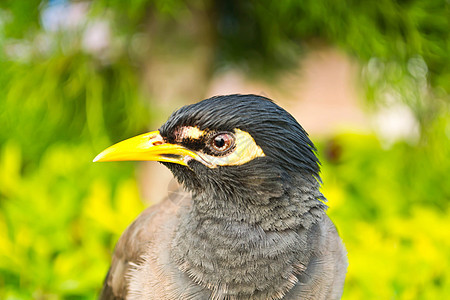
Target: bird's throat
248 250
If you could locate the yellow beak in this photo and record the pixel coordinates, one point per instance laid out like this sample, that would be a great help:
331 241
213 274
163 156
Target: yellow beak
147 146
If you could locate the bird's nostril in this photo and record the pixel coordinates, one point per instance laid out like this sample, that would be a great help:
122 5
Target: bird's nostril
157 143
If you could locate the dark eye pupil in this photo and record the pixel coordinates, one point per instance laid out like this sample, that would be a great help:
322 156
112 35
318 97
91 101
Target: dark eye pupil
219 142
222 142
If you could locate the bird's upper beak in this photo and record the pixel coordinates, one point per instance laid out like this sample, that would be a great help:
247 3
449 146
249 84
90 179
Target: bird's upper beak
147 146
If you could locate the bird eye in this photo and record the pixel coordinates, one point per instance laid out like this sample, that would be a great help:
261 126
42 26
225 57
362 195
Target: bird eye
222 142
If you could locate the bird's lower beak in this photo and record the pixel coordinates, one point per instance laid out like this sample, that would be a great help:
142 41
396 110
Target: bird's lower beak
147 146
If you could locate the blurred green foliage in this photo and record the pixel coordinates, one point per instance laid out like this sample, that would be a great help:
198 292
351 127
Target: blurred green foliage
391 207
60 215
60 104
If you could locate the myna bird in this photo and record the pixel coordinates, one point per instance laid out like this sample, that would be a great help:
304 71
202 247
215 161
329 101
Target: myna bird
252 224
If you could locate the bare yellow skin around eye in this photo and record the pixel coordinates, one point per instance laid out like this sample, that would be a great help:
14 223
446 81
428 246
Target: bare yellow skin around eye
245 150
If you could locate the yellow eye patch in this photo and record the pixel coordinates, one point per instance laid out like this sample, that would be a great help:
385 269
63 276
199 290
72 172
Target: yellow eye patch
245 150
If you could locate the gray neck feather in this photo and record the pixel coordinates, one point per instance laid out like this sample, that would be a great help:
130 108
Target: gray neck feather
242 248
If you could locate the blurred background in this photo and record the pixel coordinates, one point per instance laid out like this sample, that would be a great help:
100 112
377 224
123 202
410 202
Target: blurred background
369 80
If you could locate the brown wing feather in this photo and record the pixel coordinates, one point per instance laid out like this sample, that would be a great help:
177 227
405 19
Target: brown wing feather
325 273
134 243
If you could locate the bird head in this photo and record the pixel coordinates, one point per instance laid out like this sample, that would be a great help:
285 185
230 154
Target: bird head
227 145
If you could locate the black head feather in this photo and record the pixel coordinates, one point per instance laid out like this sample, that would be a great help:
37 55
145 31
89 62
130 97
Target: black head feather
276 131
